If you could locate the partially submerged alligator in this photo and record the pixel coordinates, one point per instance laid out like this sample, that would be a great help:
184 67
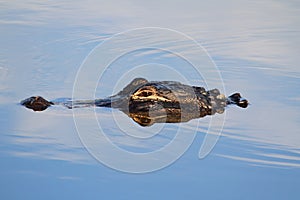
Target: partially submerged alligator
152 102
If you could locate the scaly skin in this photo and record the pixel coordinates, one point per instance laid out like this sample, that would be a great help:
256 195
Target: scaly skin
155 102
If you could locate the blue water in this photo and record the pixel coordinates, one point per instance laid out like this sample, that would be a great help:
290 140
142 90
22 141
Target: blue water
249 46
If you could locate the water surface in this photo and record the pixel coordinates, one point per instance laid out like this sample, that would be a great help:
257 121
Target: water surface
255 46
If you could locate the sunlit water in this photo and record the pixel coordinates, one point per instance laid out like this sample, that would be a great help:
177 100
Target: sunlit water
255 46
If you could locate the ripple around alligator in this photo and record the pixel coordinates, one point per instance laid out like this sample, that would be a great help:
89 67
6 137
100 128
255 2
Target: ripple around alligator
255 50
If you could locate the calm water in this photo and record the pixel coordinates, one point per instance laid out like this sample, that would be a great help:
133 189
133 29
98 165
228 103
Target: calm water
255 46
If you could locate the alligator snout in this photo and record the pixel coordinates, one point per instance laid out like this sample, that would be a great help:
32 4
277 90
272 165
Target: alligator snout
36 103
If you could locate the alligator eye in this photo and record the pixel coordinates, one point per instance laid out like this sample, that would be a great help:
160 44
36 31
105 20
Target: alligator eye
145 94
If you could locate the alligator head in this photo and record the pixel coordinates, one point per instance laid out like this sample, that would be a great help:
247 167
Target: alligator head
155 102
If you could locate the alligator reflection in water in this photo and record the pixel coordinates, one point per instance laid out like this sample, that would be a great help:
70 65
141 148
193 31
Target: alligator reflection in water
154 102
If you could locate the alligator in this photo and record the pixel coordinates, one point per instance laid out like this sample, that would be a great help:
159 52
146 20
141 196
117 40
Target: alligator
154 102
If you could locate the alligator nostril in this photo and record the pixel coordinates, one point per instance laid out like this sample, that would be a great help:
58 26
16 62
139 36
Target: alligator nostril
36 103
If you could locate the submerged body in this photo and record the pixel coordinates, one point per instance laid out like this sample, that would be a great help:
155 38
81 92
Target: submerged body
158 101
